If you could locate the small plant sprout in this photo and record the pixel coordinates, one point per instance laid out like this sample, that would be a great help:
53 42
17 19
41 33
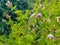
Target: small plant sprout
8 3
58 19
50 36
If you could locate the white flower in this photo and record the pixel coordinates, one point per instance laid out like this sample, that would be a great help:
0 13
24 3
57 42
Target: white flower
50 36
8 3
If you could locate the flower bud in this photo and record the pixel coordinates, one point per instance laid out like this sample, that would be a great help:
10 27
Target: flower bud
50 36
39 15
8 3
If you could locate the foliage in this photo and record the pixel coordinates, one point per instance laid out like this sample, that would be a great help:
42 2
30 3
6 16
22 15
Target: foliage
19 27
